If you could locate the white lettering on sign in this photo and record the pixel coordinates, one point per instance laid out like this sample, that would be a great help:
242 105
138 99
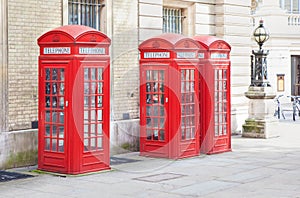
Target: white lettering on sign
157 55
89 50
215 55
186 55
57 50
200 55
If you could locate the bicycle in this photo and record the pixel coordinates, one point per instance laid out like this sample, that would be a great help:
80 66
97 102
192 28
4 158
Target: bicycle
278 110
296 106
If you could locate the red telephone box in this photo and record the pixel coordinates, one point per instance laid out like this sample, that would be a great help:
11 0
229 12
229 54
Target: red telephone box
214 66
169 108
74 88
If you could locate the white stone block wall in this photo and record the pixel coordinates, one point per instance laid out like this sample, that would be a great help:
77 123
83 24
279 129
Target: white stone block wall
27 20
124 54
233 25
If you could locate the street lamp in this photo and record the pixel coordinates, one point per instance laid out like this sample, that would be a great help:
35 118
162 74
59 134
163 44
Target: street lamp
259 73
261 34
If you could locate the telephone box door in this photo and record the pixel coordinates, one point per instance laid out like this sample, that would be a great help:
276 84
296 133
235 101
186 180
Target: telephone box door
221 110
53 137
154 105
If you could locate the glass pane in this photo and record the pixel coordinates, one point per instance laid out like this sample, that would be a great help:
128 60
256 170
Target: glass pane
54 88
54 102
47 116
86 128
93 73
216 130
162 123
100 71
193 133
86 115
61 117
93 129
99 101
155 110
54 131
47 99
162 76
99 129
155 135
93 143
86 144
162 110
100 115
93 115
148 74
48 88
93 88
100 87
62 89
86 88
54 74
162 135
149 134
61 132
100 143
61 146
61 102
182 133
54 145
47 74
62 74
47 144
86 101
155 122
47 130
86 74
93 101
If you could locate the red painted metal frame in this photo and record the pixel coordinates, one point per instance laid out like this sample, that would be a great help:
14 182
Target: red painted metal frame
214 59
167 53
64 45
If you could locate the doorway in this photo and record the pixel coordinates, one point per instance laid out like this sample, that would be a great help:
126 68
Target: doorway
295 75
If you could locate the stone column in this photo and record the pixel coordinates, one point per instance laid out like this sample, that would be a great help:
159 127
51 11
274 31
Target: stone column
261 122
3 67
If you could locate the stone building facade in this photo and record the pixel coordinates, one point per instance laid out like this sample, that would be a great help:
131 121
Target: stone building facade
127 23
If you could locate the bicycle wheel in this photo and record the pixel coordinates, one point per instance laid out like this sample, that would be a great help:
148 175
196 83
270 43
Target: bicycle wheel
294 114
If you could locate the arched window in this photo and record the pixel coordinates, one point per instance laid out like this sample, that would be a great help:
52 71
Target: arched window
291 6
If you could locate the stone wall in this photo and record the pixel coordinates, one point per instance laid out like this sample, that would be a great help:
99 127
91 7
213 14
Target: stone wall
124 55
233 25
26 22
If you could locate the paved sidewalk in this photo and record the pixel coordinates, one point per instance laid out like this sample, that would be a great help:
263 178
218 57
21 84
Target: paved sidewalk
256 168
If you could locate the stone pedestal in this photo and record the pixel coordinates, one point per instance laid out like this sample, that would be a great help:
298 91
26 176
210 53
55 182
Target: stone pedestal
261 122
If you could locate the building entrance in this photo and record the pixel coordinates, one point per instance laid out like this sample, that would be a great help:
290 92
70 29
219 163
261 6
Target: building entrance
295 77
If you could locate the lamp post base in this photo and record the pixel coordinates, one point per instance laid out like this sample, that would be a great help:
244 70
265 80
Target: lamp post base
261 122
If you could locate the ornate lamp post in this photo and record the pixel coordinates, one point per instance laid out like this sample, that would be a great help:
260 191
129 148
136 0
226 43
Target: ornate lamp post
260 123
259 73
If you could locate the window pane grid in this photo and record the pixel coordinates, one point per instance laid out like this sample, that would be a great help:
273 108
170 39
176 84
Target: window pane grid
220 101
155 111
93 108
187 104
54 109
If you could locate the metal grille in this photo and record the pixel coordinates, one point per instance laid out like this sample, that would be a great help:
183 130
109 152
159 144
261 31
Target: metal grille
85 12
172 20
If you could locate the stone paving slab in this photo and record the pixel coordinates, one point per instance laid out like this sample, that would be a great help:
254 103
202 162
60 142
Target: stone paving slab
255 168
